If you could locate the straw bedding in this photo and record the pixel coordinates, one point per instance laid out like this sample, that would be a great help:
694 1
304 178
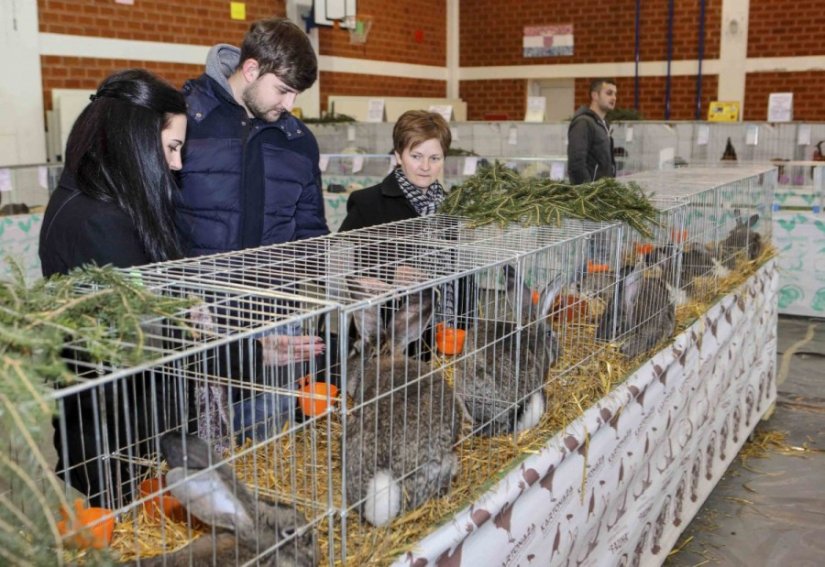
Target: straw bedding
272 468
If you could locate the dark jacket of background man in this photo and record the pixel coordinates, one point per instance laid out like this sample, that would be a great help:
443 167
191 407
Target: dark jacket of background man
589 148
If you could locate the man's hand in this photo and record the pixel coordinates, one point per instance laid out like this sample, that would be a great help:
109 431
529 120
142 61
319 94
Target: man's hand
279 350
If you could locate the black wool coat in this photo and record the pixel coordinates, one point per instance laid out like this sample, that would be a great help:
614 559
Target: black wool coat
378 204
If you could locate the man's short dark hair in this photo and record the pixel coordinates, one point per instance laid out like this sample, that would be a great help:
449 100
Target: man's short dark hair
596 84
282 48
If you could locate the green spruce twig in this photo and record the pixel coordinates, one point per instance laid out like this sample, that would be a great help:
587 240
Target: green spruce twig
100 312
498 194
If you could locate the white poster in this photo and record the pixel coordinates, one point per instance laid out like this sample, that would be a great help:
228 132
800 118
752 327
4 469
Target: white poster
780 107
702 135
803 135
375 110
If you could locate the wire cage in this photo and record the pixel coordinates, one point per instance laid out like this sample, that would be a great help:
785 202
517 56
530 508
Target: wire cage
727 220
800 185
443 341
167 445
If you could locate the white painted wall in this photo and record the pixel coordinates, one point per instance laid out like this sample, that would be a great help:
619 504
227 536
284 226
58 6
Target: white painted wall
22 131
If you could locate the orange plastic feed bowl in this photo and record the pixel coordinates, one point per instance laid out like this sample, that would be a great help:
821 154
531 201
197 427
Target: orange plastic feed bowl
157 504
449 340
316 397
644 248
92 527
593 268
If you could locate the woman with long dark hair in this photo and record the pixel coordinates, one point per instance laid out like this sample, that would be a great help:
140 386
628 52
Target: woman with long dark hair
114 202
114 205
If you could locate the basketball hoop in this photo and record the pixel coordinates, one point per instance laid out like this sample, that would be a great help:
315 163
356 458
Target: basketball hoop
359 28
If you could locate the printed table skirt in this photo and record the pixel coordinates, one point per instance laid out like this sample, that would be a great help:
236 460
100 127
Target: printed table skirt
621 483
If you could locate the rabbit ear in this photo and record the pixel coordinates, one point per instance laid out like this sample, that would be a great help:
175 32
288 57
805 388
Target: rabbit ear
513 286
632 285
753 220
367 321
214 497
548 296
411 320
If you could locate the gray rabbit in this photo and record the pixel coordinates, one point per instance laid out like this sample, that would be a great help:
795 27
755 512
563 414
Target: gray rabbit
245 527
742 240
502 388
404 423
693 262
641 308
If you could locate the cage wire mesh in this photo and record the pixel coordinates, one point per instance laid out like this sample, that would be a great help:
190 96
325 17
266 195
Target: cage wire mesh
800 185
441 337
727 220
215 371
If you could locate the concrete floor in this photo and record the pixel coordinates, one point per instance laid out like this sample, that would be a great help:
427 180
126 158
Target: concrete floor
770 511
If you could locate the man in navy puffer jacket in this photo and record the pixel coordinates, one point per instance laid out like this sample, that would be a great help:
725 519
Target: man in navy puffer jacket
250 178
250 169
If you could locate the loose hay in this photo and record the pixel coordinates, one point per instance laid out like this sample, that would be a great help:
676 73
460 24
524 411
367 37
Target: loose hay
483 460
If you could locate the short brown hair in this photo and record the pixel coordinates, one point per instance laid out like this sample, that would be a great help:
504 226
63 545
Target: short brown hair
282 48
417 126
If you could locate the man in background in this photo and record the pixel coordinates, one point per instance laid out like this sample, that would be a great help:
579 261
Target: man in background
589 144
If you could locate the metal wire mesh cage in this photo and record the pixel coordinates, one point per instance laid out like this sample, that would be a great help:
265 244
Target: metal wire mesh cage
227 372
727 220
440 342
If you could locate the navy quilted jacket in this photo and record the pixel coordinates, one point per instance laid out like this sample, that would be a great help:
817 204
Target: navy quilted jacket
245 183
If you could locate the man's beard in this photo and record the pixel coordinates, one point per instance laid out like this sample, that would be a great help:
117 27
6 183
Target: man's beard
256 110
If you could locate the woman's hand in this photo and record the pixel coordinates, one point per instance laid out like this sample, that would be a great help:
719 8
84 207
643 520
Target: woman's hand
279 350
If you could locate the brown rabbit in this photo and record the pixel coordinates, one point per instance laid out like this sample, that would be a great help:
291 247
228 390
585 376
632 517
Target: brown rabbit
245 527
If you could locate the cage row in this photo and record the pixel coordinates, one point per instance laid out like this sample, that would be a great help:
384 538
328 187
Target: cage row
318 388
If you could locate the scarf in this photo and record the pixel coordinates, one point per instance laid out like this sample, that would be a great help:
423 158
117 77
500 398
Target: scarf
424 203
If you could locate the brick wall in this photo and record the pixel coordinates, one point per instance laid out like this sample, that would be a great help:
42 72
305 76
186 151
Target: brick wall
85 73
652 95
393 34
502 97
510 96
786 28
491 30
807 88
374 85
200 22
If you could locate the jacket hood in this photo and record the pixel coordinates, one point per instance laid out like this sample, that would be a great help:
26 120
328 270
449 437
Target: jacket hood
586 110
221 62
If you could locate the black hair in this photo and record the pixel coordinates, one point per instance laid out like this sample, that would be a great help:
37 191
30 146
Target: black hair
596 84
282 48
116 155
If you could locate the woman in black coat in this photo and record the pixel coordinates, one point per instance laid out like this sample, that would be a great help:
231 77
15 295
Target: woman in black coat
421 140
115 205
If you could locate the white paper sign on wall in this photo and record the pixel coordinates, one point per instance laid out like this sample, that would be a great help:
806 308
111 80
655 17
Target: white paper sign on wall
780 107
375 110
445 110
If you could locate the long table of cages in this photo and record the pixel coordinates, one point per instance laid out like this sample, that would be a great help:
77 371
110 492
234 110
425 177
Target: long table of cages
453 355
